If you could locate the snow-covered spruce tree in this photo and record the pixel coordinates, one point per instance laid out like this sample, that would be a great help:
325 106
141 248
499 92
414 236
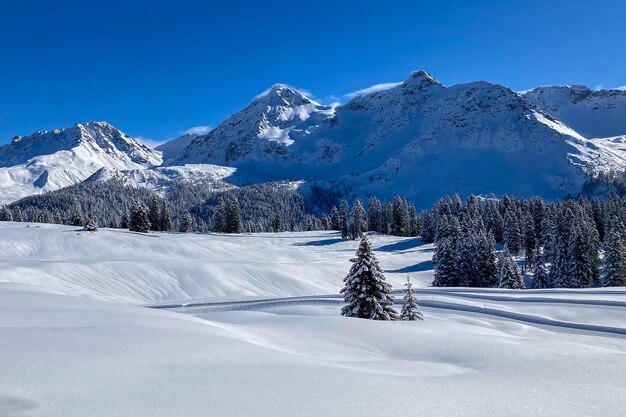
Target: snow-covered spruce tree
166 220
540 276
579 265
76 216
277 225
335 221
414 222
358 224
234 216
187 223
512 232
401 222
465 262
546 235
530 241
426 227
18 215
374 219
614 259
446 274
219 223
124 221
139 220
366 293
486 260
326 222
493 220
509 275
5 214
343 220
410 309
155 214
309 223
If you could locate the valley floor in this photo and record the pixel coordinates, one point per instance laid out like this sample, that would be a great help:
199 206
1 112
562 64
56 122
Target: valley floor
77 339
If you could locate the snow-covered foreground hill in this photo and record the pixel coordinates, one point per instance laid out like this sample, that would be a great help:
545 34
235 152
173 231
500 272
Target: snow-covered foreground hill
74 345
130 267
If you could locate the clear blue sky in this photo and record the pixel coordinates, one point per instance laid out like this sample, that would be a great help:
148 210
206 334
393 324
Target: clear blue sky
156 68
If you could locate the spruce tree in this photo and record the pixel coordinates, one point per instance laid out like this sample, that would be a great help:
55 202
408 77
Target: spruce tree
335 220
509 275
427 231
512 232
220 220
166 220
187 223
155 214
410 309
76 215
343 220
579 265
277 224
5 214
366 293
125 221
234 216
401 221
446 274
540 276
18 215
139 219
614 260
373 214
464 262
486 259
358 223
414 222
325 222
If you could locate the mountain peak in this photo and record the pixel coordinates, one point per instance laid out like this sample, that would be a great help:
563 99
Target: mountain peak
420 78
283 95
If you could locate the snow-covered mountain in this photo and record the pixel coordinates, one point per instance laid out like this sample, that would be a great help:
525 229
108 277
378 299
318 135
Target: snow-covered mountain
420 139
264 130
174 148
592 113
50 160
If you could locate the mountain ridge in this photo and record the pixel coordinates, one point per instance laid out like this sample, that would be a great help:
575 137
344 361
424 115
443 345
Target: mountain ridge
418 138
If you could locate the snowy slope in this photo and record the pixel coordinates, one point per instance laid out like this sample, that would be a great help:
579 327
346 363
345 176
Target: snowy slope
161 179
173 148
592 113
264 130
478 352
47 161
420 139
182 266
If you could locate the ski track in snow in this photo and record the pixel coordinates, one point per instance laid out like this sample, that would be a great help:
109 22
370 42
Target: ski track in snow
202 308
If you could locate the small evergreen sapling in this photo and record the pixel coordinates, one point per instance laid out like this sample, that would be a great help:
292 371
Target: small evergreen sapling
366 293
410 309
91 226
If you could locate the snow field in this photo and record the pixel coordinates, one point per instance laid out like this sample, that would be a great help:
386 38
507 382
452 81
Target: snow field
74 345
